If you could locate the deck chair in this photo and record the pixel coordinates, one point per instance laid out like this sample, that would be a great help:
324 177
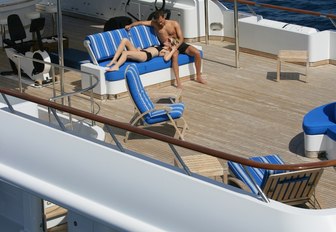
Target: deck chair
293 187
146 113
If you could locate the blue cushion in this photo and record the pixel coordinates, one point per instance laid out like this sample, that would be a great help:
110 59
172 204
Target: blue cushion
138 93
143 36
331 132
269 159
143 102
157 63
105 44
72 58
318 120
176 111
259 175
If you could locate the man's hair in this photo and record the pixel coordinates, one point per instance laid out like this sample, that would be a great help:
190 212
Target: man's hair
158 14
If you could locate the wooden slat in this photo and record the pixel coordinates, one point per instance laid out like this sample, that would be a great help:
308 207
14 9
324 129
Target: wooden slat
54 212
292 187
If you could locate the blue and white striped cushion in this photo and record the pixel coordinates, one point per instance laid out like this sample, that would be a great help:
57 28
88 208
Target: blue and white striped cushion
104 45
137 90
176 111
259 175
143 36
143 102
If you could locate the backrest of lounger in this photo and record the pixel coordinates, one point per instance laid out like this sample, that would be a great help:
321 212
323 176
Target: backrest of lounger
137 91
105 44
259 175
294 187
143 36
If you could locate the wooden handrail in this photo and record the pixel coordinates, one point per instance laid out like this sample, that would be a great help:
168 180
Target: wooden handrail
164 138
295 10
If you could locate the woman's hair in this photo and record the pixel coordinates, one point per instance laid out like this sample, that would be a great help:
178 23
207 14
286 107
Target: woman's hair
173 41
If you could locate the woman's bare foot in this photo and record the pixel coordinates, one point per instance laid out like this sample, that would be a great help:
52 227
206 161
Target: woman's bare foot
111 63
114 68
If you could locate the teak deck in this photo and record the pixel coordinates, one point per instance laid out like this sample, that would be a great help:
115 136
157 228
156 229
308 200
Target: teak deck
241 111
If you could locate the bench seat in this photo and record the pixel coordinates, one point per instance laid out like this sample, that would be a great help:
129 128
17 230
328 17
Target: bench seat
319 127
102 47
73 58
318 120
157 63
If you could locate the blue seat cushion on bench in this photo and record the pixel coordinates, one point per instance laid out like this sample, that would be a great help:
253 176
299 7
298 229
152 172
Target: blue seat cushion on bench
318 120
331 132
73 58
105 44
157 63
259 175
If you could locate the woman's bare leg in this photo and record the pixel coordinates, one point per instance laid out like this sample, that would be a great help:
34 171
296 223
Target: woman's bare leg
132 55
124 43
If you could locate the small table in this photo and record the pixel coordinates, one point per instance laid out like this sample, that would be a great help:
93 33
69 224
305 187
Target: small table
204 165
292 56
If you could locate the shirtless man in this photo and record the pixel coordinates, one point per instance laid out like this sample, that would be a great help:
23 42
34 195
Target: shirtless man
166 29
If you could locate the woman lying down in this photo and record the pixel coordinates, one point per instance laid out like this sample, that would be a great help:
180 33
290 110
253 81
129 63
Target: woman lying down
141 55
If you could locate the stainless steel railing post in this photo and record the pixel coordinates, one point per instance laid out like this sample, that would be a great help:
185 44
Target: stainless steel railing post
236 31
206 21
19 73
60 45
261 193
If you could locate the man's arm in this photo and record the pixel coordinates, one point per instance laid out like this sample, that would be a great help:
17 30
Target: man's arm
146 23
178 33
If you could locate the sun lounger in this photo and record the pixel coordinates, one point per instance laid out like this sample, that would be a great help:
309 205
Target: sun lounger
293 188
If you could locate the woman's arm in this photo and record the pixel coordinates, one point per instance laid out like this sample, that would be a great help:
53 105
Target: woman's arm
168 54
